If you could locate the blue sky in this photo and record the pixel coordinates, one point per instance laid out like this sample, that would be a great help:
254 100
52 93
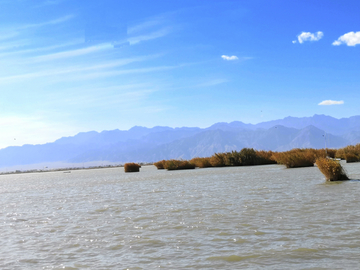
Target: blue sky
70 66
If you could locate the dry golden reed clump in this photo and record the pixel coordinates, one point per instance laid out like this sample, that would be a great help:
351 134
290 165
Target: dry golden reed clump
160 164
332 169
350 153
331 152
299 157
132 167
174 164
246 157
265 157
218 160
201 162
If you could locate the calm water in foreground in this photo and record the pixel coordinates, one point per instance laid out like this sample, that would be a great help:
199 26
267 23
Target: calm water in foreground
218 218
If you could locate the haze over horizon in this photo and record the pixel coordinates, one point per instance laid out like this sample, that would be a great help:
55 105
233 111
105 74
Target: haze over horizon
73 66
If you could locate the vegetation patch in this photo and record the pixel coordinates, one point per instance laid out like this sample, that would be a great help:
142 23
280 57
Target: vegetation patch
246 157
350 153
132 167
332 169
174 164
218 160
296 158
201 162
330 152
265 157
160 164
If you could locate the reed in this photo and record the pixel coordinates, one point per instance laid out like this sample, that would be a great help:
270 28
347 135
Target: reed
246 157
350 153
160 164
265 157
132 167
332 169
174 164
352 157
331 152
225 159
296 158
218 160
340 153
201 162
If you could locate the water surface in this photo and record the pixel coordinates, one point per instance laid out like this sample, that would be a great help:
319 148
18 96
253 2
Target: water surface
217 218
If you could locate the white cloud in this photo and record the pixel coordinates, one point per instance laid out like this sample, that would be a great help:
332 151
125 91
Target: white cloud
350 39
307 36
229 58
331 102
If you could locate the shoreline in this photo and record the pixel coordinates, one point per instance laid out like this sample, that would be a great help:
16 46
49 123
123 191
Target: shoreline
67 170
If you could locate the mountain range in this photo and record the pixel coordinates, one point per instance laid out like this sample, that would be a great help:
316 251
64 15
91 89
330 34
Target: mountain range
141 144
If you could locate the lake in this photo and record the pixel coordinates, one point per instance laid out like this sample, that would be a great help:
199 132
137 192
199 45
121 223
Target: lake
260 217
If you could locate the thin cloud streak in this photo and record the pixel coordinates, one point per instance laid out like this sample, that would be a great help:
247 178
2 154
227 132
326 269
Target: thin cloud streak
76 70
51 22
73 53
143 26
212 83
125 72
154 35
42 49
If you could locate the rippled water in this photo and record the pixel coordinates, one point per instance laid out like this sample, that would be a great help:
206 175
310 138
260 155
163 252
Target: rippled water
217 218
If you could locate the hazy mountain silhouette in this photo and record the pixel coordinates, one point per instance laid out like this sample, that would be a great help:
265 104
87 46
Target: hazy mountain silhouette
141 144
326 123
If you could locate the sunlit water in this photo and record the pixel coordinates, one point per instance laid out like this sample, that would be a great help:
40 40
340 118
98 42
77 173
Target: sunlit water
217 218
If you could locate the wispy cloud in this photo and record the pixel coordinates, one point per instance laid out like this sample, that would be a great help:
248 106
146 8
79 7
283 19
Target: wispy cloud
151 28
153 35
73 53
307 36
104 69
331 102
51 22
229 58
115 73
8 35
13 36
98 99
143 26
75 42
350 39
212 82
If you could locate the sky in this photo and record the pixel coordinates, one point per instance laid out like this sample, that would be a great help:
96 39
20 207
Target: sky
70 66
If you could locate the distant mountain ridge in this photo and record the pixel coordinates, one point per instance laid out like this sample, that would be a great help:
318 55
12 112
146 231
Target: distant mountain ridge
326 123
141 144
